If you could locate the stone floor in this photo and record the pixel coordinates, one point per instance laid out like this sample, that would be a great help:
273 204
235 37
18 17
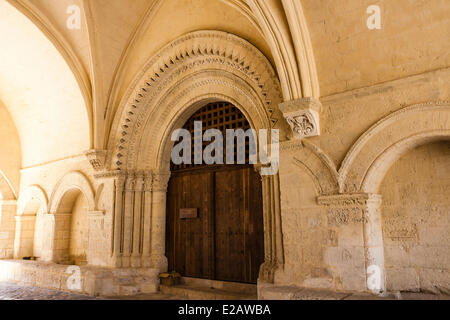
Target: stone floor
9 291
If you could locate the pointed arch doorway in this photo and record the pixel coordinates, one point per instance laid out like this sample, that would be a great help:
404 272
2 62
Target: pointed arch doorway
214 226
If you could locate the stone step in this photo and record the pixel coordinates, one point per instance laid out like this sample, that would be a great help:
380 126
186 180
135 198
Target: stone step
204 293
129 290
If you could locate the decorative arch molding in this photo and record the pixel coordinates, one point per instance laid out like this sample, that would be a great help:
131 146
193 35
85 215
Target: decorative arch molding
202 61
371 156
197 68
35 194
13 191
72 181
318 165
294 58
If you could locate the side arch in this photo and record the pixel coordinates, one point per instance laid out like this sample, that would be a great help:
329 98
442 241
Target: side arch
31 199
72 181
316 163
378 148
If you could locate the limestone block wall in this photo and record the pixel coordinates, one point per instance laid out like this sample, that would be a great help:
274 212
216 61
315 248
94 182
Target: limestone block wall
416 220
79 232
7 220
92 220
7 228
329 245
348 55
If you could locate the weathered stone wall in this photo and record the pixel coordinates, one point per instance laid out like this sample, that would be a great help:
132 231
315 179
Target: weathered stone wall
349 55
7 221
416 220
79 232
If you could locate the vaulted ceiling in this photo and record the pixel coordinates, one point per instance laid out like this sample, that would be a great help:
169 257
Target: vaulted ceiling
61 86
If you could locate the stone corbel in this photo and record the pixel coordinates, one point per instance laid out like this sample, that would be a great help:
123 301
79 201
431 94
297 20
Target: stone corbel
303 116
96 159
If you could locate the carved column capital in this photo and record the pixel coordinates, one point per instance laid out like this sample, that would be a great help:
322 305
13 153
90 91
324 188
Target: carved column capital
140 181
303 116
96 158
148 182
130 182
160 181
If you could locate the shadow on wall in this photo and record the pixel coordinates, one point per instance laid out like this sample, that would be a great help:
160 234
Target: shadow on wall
416 220
71 229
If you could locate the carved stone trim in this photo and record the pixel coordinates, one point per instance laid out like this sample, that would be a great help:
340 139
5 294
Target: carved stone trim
303 116
96 159
161 181
344 200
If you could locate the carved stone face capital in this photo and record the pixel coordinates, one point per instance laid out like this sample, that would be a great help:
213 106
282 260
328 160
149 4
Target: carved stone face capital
96 158
303 117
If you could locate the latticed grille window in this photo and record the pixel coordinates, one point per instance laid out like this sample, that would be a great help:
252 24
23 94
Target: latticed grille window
220 116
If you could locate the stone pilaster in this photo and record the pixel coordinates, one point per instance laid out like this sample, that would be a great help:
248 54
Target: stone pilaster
273 245
158 259
147 223
118 220
24 236
356 219
138 217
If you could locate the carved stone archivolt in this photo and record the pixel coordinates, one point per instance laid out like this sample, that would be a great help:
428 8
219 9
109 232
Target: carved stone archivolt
198 68
235 69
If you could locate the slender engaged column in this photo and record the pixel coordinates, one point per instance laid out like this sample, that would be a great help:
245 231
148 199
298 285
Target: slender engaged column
24 237
117 221
128 220
158 259
137 224
146 225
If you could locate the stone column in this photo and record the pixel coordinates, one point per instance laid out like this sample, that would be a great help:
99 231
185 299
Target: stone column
138 213
118 221
128 220
96 224
146 225
356 219
61 237
273 246
24 236
158 258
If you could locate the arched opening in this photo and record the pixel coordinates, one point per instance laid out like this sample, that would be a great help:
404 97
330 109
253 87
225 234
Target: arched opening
416 220
71 237
214 226
29 231
7 223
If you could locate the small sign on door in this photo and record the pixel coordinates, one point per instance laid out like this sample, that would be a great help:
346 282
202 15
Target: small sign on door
188 213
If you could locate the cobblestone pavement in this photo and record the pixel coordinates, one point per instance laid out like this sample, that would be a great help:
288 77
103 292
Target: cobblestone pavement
10 291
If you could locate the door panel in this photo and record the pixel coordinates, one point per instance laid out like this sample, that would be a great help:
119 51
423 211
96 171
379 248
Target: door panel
226 241
190 237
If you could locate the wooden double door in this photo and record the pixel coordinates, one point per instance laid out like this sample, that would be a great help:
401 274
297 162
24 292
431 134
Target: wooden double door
222 238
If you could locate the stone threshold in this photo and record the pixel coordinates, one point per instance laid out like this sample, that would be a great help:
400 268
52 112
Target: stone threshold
203 289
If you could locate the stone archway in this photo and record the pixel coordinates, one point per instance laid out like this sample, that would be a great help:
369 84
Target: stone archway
198 68
363 170
32 205
224 238
70 205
